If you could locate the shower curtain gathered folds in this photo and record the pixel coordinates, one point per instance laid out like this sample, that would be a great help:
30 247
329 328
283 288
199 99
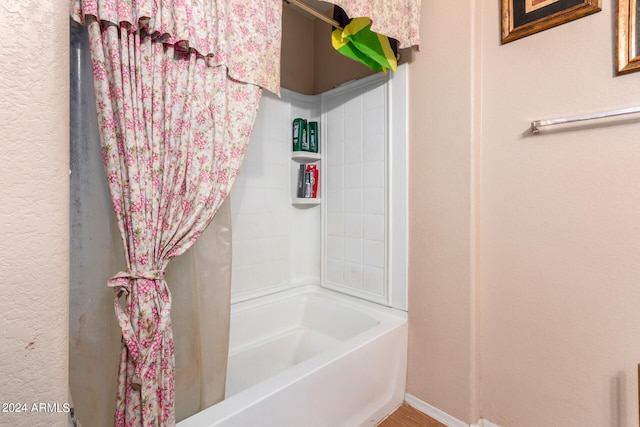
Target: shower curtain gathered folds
177 88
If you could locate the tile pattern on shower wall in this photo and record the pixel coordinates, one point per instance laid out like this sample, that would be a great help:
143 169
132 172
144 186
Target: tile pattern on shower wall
260 203
356 204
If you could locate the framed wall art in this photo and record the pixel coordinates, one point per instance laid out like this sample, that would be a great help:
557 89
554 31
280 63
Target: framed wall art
522 18
628 55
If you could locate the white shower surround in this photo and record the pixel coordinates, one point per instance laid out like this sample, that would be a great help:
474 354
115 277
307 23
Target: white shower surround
286 246
276 246
364 215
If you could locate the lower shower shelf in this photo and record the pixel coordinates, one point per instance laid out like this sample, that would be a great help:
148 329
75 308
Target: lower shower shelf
306 201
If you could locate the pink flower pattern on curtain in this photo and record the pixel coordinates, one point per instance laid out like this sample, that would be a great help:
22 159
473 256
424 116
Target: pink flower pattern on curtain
177 89
399 19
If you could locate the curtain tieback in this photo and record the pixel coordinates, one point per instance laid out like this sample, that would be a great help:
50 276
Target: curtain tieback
123 279
122 284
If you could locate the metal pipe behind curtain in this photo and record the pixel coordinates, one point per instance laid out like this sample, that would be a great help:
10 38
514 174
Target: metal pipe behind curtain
200 279
302 5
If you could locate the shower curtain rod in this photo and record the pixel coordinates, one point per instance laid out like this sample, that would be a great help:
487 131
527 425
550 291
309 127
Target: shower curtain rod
314 12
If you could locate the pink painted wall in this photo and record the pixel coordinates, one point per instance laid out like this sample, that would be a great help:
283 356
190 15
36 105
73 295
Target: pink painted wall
524 266
442 281
34 209
560 230
309 64
297 64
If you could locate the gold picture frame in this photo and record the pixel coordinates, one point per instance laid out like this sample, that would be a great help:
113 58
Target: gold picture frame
521 18
628 56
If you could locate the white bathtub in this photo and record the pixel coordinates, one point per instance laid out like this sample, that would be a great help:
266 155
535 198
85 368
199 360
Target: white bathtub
311 357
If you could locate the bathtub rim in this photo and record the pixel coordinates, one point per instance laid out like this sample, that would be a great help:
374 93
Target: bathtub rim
361 304
391 319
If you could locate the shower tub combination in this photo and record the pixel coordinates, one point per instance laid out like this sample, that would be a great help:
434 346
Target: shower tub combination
311 357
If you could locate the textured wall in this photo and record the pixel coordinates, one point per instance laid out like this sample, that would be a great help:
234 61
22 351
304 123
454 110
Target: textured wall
441 368
34 160
559 230
524 265
297 66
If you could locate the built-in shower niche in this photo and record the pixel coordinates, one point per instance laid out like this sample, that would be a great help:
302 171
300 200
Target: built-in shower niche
353 238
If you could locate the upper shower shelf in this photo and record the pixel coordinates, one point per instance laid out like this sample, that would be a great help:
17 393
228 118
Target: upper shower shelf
305 156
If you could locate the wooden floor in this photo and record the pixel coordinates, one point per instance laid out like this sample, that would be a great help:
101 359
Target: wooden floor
406 416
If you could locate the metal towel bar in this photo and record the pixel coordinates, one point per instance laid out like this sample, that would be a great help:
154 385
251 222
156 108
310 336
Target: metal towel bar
538 124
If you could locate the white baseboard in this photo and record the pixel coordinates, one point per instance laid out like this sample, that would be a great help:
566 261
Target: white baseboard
442 416
484 423
434 412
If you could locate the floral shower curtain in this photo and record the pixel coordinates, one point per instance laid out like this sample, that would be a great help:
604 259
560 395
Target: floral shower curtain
177 88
